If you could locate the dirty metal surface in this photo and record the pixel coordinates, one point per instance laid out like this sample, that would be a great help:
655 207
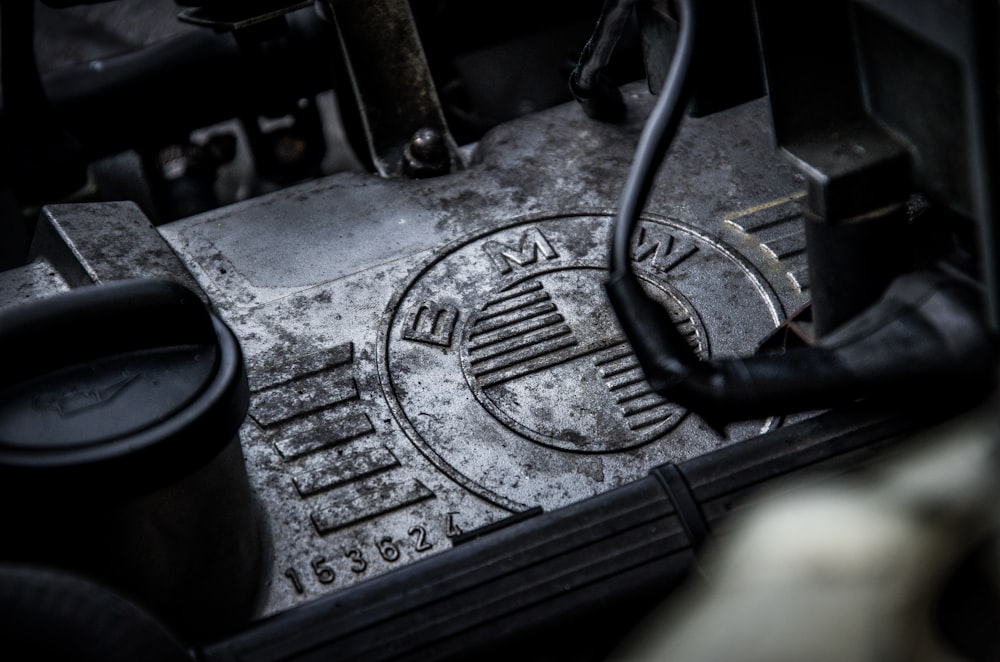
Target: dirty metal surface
34 281
428 357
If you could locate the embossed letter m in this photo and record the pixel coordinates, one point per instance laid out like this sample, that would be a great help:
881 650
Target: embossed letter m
533 242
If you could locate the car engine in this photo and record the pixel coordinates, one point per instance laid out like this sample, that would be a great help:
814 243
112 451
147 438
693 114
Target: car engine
415 330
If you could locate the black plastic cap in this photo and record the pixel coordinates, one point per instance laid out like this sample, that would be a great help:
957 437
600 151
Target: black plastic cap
115 390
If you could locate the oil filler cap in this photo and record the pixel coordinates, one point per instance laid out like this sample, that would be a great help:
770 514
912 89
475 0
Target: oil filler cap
115 387
120 408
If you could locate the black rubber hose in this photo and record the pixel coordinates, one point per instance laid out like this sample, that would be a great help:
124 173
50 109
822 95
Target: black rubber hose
657 135
925 337
926 341
662 352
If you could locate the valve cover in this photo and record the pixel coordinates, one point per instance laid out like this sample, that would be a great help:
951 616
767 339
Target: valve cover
427 357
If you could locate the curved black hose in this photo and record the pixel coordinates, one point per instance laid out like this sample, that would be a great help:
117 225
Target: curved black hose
655 140
924 337
662 352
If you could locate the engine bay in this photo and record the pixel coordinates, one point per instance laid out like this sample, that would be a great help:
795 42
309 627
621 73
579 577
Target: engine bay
454 443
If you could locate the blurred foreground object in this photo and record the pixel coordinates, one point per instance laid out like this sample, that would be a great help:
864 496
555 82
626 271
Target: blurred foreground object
898 566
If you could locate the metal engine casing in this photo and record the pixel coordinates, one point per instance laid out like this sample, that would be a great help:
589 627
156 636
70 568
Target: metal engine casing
427 357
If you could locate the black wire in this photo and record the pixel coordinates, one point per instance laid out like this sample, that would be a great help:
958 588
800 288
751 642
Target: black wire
655 141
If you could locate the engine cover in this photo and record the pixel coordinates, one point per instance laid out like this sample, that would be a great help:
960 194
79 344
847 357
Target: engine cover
427 357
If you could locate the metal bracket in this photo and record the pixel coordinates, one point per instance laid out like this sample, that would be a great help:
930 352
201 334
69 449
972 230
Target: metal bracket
403 121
